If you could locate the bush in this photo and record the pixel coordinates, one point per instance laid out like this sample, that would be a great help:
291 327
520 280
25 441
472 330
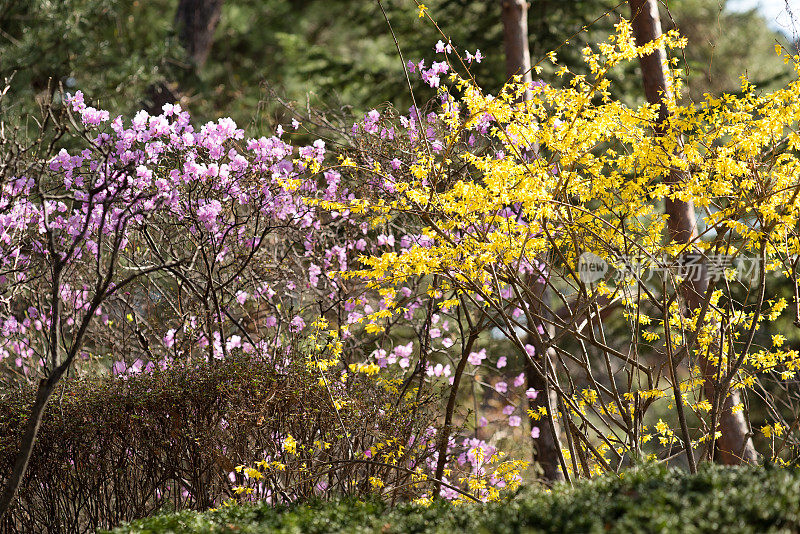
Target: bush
113 450
651 499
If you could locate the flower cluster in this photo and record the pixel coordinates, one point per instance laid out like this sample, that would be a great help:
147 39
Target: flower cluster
510 194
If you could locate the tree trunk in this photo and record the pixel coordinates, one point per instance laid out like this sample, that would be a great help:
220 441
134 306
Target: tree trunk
518 63
515 41
444 433
43 394
547 447
735 446
196 21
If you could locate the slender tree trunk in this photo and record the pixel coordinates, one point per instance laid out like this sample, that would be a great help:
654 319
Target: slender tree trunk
518 63
547 447
43 394
735 446
444 435
515 41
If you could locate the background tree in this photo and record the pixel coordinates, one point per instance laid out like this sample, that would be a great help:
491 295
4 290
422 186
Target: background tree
723 45
195 24
339 56
735 445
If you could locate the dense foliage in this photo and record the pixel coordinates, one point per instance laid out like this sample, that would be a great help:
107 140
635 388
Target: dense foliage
342 57
647 500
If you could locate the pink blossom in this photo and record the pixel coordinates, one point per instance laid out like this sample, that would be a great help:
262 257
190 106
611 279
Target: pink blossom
404 351
501 362
313 274
430 77
440 68
438 370
119 368
387 240
208 213
92 117
477 56
443 48
169 338
297 324
514 420
475 358
234 342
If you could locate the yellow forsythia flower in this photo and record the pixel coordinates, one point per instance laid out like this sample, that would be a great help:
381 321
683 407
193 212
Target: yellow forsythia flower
290 444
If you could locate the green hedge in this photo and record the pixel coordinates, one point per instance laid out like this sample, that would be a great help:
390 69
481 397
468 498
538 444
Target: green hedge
651 499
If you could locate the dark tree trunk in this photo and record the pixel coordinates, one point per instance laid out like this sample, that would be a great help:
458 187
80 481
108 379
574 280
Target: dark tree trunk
26 446
43 394
547 447
735 445
196 21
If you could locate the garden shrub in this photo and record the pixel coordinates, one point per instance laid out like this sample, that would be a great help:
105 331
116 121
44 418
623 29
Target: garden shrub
652 499
116 449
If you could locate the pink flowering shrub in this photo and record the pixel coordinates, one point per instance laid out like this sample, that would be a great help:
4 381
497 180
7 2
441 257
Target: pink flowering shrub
156 242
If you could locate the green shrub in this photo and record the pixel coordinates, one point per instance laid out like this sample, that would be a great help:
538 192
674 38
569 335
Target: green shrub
652 499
